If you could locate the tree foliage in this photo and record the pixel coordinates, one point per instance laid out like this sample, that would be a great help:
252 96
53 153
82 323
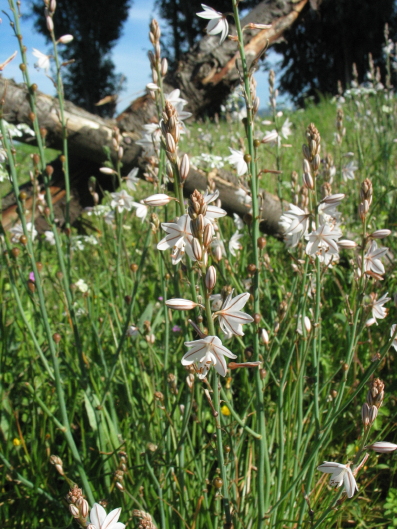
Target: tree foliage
95 25
320 48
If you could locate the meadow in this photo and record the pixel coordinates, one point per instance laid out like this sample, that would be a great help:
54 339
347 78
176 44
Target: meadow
201 374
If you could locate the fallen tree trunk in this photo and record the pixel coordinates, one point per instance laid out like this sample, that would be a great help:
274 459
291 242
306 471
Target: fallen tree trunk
205 77
89 134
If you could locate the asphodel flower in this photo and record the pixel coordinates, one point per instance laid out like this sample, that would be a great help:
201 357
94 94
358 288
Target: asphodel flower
217 22
207 352
231 319
340 474
100 520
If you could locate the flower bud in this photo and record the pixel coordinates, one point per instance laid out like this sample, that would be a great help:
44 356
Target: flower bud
170 143
333 199
84 508
316 162
74 511
210 278
348 245
157 200
264 336
382 447
380 234
363 209
184 167
196 249
164 67
207 235
49 23
308 180
181 304
107 170
65 39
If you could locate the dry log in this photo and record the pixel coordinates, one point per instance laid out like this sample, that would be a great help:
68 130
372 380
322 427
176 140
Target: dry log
87 136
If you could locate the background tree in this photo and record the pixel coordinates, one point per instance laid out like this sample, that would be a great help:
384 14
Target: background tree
320 48
95 25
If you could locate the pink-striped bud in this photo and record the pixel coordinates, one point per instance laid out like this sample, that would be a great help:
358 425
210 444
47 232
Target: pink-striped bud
160 199
184 167
380 234
382 447
333 199
181 304
74 511
210 278
196 249
164 67
348 245
308 180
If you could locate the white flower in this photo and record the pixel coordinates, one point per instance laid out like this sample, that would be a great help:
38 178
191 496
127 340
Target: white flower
392 331
131 179
122 200
238 221
43 60
100 520
82 285
306 322
348 171
294 223
49 237
141 210
243 197
179 237
237 159
340 474
372 262
324 238
234 244
17 231
272 137
286 129
132 331
206 352
216 300
230 316
217 24
378 310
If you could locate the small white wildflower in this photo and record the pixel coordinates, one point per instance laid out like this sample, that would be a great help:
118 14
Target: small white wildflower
49 237
231 318
121 200
234 243
82 285
100 520
206 352
237 159
340 474
43 61
238 221
131 179
217 22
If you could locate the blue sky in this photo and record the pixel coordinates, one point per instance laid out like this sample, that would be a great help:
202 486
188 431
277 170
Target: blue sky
129 55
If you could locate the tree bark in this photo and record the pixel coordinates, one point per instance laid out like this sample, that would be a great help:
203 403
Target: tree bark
205 76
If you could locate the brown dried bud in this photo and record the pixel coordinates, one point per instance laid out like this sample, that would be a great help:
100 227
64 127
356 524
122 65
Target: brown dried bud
251 268
261 242
257 318
262 374
49 170
56 337
366 191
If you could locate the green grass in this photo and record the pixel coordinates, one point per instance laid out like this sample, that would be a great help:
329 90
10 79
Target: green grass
124 407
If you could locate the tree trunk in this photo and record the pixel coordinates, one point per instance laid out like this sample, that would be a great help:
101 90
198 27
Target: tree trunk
205 76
